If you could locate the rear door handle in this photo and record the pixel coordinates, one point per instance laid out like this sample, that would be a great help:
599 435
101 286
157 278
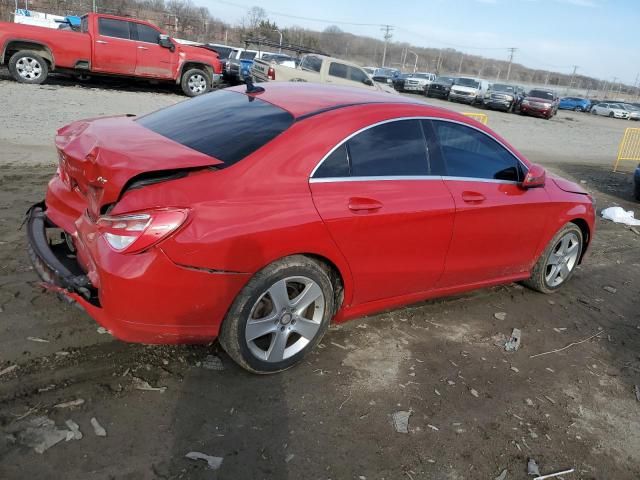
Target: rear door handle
366 205
102 42
473 197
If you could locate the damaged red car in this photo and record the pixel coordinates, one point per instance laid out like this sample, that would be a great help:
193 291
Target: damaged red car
259 216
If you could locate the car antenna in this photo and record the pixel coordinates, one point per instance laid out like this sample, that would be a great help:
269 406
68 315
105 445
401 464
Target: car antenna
251 87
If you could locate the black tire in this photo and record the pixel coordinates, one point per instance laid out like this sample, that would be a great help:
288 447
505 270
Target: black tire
637 192
232 333
195 82
577 109
610 114
28 67
538 280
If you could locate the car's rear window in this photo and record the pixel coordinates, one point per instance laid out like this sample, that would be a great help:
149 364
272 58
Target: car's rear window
226 125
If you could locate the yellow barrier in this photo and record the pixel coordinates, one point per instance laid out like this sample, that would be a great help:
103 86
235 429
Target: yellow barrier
629 149
480 117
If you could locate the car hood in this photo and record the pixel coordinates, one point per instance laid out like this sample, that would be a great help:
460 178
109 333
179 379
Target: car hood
461 88
539 100
98 157
568 186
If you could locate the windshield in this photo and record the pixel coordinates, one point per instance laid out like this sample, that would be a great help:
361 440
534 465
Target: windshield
223 52
384 72
499 87
224 125
544 94
247 55
467 82
420 75
446 80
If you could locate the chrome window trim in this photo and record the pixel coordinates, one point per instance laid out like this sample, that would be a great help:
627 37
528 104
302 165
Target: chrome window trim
349 137
412 178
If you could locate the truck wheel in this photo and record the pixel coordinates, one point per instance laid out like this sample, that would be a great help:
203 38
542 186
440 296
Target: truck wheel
28 67
195 82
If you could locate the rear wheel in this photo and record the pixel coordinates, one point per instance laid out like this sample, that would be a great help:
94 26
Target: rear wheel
195 82
279 316
557 263
577 109
28 67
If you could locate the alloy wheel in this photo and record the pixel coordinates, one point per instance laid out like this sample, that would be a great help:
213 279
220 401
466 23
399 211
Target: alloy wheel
197 83
562 260
285 319
29 68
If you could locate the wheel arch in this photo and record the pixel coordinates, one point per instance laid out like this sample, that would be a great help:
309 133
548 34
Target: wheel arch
195 64
586 234
16 44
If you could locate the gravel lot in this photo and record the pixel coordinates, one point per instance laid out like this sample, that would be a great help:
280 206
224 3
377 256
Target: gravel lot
475 409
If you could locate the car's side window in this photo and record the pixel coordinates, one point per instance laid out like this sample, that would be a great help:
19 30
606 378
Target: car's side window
357 75
395 148
469 153
147 34
338 70
311 63
335 165
110 27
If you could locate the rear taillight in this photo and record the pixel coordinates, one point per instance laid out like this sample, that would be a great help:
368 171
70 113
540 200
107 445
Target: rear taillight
271 73
136 232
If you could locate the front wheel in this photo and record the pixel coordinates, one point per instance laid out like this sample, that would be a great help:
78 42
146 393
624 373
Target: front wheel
28 67
195 82
610 114
279 316
557 263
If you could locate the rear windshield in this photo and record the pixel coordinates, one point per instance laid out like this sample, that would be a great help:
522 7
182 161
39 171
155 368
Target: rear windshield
467 82
225 125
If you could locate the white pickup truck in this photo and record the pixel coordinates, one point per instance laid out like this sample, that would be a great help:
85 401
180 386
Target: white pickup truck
316 69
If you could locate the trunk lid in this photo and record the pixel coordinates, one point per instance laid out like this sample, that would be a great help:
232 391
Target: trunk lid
99 157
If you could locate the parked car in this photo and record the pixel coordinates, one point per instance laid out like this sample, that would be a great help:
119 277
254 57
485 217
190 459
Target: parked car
398 82
317 69
468 90
636 183
501 96
370 70
540 102
239 64
576 104
418 82
385 75
107 45
180 227
280 59
612 110
634 112
440 87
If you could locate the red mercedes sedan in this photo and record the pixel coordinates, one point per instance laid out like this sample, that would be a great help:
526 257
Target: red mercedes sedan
257 217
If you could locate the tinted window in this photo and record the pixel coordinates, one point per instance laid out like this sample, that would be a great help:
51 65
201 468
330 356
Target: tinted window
541 94
311 63
247 55
335 165
147 34
470 153
357 75
390 149
338 70
225 125
113 28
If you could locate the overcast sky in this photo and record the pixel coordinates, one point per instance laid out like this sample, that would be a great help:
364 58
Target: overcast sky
600 36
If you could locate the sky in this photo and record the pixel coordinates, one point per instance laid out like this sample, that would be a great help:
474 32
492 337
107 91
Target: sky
599 36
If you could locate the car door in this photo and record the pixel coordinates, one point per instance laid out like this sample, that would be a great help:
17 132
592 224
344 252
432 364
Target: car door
152 60
387 209
498 225
114 51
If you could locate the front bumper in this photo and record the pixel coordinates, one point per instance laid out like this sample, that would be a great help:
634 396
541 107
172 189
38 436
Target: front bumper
142 298
494 103
462 98
535 110
414 88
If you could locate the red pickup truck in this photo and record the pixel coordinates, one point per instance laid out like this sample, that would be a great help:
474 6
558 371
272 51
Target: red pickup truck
107 45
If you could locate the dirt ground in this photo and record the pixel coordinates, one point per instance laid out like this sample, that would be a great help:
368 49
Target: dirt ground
475 409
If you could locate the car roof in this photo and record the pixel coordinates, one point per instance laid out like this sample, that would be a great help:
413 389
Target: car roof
304 99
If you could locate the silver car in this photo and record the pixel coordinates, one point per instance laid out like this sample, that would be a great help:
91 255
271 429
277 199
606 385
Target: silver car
613 110
634 112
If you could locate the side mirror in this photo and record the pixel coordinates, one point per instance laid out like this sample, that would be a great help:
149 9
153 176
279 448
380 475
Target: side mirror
165 41
368 81
535 178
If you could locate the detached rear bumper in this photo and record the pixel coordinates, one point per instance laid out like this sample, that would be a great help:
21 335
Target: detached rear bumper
142 298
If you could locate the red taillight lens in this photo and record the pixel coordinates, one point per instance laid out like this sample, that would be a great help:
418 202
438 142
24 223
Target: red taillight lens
271 73
136 232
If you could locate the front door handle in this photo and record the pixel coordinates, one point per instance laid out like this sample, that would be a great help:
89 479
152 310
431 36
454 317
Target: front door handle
473 197
364 205
102 42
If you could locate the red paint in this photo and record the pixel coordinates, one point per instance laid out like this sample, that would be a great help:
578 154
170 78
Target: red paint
108 55
393 241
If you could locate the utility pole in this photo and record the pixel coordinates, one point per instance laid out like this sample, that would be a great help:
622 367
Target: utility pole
415 65
573 74
95 8
512 51
546 80
387 36
460 65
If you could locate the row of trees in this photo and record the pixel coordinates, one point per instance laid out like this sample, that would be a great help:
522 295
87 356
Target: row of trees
186 20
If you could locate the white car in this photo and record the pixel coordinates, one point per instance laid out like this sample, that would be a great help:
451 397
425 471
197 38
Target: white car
613 110
418 82
634 112
468 90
